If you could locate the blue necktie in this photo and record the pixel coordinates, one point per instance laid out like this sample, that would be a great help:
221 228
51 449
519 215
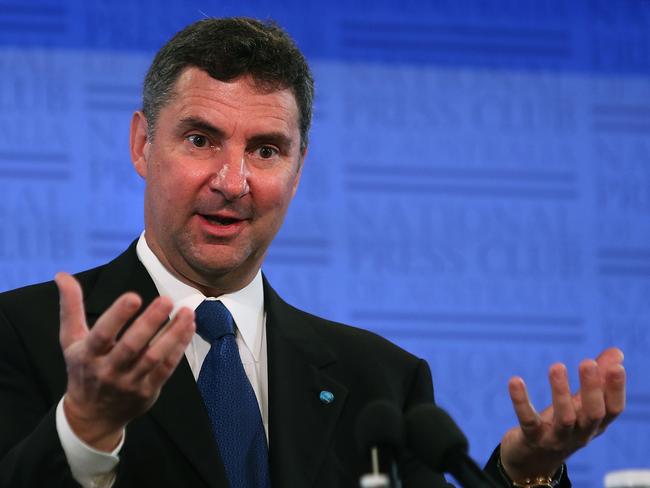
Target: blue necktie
230 401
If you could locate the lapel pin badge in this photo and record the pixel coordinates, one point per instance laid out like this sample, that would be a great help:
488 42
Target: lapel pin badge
326 396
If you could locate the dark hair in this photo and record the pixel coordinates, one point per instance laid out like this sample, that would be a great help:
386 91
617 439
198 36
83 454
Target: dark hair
226 49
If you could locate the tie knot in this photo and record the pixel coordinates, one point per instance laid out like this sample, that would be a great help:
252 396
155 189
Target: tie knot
213 320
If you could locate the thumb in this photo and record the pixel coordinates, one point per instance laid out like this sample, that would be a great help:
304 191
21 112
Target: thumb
72 315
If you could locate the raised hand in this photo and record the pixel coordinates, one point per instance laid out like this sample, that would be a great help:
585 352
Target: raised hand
111 381
542 442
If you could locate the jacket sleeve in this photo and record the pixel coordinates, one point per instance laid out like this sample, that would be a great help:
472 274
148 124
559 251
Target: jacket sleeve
30 451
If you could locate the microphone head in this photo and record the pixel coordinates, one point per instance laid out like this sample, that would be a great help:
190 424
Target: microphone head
433 436
380 424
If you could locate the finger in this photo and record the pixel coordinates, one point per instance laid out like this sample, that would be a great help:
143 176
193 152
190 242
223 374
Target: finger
102 336
614 394
564 413
71 310
136 339
163 342
592 399
608 358
529 420
171 346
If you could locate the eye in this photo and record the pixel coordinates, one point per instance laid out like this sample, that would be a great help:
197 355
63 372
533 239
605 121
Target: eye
267 152
197 140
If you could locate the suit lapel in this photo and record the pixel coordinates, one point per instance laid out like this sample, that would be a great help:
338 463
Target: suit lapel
179 410
301 424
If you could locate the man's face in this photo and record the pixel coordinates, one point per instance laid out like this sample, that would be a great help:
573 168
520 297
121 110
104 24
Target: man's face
222 167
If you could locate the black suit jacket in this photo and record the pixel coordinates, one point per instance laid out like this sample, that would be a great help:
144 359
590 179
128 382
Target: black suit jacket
311 443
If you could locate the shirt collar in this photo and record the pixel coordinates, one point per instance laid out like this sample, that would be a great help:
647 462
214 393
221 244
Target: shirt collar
245 305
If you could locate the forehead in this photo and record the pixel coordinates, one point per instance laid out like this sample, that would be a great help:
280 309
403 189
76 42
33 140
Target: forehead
196 93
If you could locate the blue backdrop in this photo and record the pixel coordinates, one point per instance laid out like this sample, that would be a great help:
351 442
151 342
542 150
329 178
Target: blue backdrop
477 187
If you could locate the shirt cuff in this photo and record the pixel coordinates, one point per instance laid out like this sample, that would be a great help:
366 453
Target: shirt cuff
90 468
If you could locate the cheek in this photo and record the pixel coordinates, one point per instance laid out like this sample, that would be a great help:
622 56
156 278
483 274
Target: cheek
176 180
272 194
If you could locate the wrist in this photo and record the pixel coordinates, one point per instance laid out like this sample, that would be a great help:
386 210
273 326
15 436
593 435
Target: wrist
535 481
98 434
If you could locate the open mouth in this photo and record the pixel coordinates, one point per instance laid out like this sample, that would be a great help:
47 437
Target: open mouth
221 220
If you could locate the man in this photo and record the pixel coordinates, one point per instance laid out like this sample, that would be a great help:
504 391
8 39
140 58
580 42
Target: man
128 399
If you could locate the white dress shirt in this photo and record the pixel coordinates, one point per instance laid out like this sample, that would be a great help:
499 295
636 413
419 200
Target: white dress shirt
96 469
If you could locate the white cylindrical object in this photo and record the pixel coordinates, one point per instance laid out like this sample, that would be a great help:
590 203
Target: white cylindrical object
374 480
628 478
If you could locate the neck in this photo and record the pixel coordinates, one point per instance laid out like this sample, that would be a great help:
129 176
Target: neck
210 284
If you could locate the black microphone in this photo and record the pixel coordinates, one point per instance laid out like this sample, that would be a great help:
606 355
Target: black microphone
439 443
379 431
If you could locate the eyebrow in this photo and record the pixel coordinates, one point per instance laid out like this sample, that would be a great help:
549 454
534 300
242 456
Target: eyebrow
193 122
279 139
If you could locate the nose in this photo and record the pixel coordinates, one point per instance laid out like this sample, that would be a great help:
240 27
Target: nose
231 179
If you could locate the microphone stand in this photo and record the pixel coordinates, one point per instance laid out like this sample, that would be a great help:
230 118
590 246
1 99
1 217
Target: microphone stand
375 479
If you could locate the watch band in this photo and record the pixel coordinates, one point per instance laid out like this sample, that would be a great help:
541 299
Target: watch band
537 482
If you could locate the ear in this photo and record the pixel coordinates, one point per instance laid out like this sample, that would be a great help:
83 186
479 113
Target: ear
139 143
301 162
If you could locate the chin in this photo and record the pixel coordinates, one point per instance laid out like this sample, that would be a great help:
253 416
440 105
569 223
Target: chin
215 267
